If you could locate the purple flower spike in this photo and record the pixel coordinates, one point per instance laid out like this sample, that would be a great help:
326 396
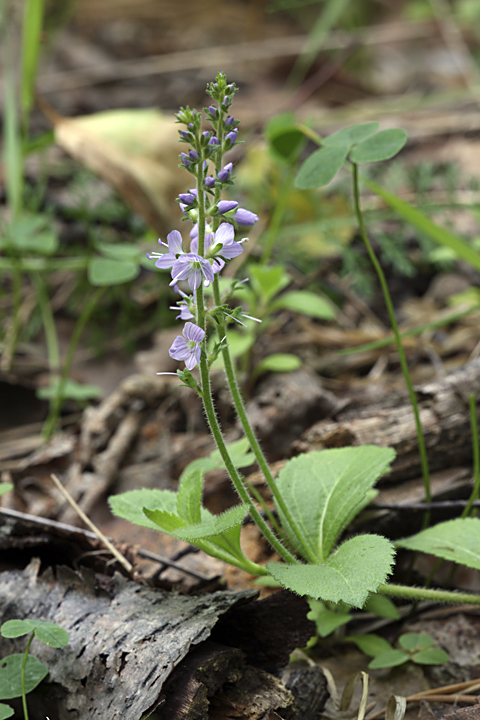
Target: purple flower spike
193 268
225 206
225 173
209 181
187 348
245 217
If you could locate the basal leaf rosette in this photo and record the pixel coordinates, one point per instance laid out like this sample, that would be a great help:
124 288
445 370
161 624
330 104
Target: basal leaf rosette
349 575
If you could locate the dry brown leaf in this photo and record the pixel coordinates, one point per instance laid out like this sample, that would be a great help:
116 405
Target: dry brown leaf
136 151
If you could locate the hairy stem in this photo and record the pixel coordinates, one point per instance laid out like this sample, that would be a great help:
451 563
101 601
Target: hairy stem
413 593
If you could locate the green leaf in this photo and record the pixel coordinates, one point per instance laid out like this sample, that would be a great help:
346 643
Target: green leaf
130 505
10 671
352 134
239 453
217 525
107 271
5 487
16 628
456 540
50 634
268 281
120 251
321 167
432 656
413 642
382 146
72 390
278 362
307 303
30 233
5 711
357 568
370 644
326 620
284 137
189 497
382 607
392 658
167 522
325 489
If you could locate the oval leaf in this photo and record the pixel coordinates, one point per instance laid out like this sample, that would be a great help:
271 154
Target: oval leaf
415 641
107 271
10 672
307 303
5 711
352 135
50 634
357 568
327 488
278 362
321 167
16 628
457 540
432 656
392 658
370 644
382 146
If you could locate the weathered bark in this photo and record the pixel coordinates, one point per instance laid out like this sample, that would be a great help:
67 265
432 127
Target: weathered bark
133 648
125 638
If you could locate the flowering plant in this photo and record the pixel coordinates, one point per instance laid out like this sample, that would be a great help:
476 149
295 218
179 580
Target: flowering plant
317 494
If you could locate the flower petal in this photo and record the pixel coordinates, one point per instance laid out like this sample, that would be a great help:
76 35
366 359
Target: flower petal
193 332
225 233
175 241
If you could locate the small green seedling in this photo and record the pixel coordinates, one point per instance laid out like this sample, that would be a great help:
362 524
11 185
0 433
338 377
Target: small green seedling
21 673
417 647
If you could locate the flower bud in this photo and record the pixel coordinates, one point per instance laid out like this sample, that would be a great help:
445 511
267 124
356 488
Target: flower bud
225 173
185 159
229 120
231 136
187 198
213 141
245 217
209 181
193 155
225 206
213 110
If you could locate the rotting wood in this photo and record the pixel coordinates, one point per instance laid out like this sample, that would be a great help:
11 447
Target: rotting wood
444 414
131 644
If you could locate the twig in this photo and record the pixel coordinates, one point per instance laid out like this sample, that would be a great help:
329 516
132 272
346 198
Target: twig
121 559
445 694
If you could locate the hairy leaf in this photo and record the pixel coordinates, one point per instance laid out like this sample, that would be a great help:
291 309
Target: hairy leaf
457 540
238 450
166 521
325 489
217 525
382 146
130 505
357 568
321 167
189 497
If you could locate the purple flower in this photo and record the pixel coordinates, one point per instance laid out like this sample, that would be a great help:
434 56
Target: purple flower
229 121
245 217
175 249
209 181
193 155
225 206
225 237
185 306
225 173
218 263
185 159
185 134
192 267
214 141
213 110
187 348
